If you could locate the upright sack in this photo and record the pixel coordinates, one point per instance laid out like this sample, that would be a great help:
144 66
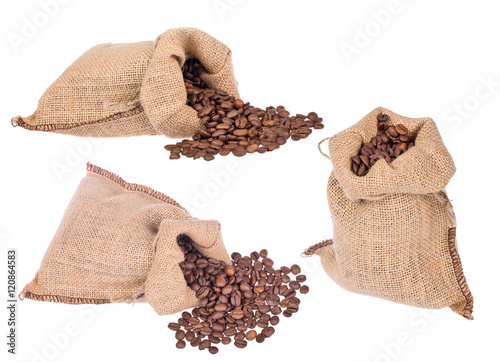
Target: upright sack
116 90
394 228
117 242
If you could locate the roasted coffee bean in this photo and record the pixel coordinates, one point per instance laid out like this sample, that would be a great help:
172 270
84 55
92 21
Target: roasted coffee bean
391 131
228 119
250 336
260 338
220 282
268 332
196 342
236 298
304 289
174 326
385 146
229 270
240 343
301 278
180 344
180 334
295 269
205 344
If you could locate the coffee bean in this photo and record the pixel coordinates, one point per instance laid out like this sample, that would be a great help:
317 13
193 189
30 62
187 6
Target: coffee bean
174 326
229 270
180 334
294 285
268 332
295 269
391 131
227 289
226 118
382 117
237 314
260 338
240 343
239 151
196 342
258 289
238 103
251 335
220 282
402 130
180 344
220 307
213 350
226 340
274 320
301 278
304 289
285 269
267 262
205 344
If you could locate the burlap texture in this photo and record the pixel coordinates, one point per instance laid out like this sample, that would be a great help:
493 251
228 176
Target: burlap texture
117 242
394 228
116 90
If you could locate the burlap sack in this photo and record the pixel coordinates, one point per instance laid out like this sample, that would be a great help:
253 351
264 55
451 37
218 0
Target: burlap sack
117 242
116 90
394 228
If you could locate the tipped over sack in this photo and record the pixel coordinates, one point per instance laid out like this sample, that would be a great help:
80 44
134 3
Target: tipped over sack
116 90
117 242
394 228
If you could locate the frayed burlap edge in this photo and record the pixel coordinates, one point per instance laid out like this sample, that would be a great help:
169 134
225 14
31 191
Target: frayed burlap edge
462 308
19 121
313 248
132 187
61 299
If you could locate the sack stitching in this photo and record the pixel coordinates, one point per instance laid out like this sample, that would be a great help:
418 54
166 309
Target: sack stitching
459 273
19 121
62 299
132 187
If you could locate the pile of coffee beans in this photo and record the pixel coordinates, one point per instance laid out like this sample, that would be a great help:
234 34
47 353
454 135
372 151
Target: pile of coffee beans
390 142
235 299
232 126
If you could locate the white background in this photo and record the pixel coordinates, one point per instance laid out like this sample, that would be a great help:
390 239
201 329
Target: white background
417 58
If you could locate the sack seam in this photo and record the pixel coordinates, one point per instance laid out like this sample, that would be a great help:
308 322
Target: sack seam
19 121
62 299
132 187
459 274
313 248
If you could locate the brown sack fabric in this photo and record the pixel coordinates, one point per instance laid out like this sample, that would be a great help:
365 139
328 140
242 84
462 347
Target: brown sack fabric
117 242
116 90
394 228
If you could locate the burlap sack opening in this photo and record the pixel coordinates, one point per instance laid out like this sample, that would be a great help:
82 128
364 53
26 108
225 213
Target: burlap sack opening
117 242
117 90
394 228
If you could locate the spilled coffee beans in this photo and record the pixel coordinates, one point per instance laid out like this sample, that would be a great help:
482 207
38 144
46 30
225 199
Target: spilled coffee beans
390 142
232 126
235 300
